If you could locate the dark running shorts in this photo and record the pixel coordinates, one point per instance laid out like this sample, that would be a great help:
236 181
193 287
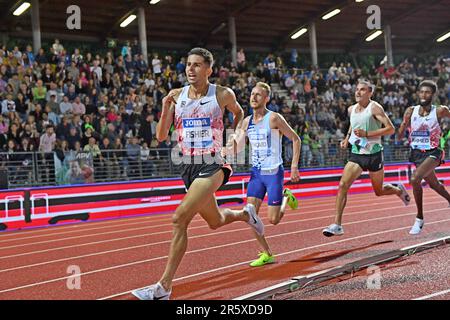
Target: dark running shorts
418 156
190 172
368 162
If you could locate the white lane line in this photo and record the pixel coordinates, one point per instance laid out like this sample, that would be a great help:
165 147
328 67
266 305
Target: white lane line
436 294
65 232
318 202
94 223
168 217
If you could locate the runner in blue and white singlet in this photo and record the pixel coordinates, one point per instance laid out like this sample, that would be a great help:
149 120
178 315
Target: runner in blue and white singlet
264 130
267 173
265 144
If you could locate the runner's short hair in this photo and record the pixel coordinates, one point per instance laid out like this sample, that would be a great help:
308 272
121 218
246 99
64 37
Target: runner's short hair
206 54
366 83
265 87
429 84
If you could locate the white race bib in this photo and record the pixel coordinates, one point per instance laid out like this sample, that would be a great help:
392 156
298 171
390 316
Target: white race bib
197 133
421 140
354 140
258 141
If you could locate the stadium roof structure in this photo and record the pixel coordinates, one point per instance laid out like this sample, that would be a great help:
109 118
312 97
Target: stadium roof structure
260 24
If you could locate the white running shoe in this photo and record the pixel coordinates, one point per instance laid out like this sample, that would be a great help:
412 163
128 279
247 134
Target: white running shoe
254 221
153 292
333 230
417 227
404 195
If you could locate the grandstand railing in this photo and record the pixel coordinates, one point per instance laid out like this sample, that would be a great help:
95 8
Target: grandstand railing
33 169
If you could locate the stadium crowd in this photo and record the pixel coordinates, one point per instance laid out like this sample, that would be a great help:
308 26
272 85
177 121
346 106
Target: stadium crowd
56 101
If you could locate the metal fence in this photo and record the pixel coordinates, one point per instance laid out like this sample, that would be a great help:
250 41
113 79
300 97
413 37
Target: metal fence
25 169
30 169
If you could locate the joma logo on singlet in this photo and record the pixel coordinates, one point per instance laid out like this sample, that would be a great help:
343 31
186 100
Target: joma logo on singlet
257 136
202 122
420 133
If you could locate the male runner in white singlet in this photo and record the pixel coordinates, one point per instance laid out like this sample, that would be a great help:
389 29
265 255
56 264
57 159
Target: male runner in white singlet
367 119
197 113
425 132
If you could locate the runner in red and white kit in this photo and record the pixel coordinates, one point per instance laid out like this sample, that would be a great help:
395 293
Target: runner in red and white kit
424 136
197 112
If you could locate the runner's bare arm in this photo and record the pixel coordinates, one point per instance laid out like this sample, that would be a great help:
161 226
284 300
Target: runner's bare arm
227 100
241 134
167 114
443 112
405 123
281 124
344 143
236 141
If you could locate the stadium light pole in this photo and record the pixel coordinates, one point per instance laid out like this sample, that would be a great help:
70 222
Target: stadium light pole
35 25
388 45
143 33
313 43
232 38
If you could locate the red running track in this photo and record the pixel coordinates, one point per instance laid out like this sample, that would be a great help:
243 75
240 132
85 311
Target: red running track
117 256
